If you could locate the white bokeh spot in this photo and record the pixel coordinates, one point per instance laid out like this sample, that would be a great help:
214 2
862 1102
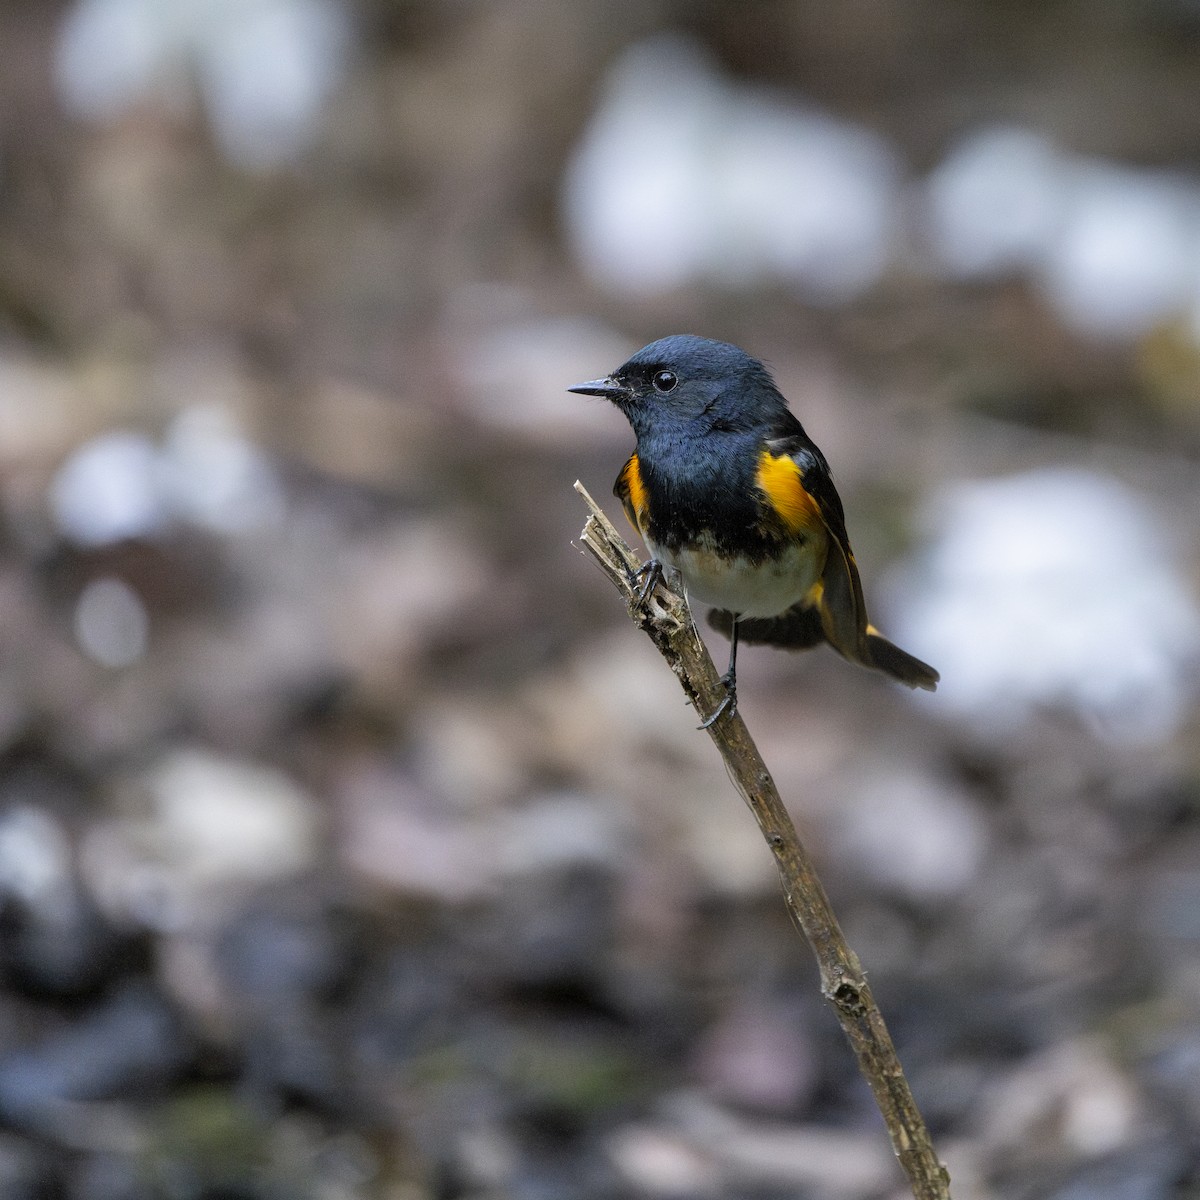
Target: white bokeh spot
1053 588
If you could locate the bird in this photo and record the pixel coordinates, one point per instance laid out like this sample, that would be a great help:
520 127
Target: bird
729 493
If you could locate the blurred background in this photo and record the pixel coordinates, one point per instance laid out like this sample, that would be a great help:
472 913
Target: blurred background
353 844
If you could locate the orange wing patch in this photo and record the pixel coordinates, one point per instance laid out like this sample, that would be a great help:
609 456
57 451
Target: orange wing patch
782 482
631 491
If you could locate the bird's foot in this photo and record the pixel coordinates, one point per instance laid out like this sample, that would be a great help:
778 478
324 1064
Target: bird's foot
728 707
645 579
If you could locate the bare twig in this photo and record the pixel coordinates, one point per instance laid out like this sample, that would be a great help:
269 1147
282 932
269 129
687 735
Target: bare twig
665 617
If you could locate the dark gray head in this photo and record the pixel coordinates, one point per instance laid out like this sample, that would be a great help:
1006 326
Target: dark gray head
682 378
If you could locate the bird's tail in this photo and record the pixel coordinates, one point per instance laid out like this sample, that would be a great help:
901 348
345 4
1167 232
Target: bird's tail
801 627
887 657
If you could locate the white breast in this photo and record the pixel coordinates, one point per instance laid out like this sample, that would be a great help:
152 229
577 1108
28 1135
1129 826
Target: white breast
744 587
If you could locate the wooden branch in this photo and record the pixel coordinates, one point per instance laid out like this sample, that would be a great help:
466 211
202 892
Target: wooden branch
666 619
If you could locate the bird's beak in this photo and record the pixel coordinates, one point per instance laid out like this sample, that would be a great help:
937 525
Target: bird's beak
609 388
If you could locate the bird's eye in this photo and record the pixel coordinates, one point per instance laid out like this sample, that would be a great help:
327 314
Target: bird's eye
664 381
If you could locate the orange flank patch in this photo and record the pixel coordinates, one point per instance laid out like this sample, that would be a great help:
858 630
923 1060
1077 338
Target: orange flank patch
782 482
632 493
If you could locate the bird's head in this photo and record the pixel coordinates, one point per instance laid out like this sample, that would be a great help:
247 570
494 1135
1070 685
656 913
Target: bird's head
683 380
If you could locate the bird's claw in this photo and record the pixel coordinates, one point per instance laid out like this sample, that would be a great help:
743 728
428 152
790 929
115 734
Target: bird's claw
645 579
727 708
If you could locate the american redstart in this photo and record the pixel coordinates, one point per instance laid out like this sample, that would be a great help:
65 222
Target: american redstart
727 489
